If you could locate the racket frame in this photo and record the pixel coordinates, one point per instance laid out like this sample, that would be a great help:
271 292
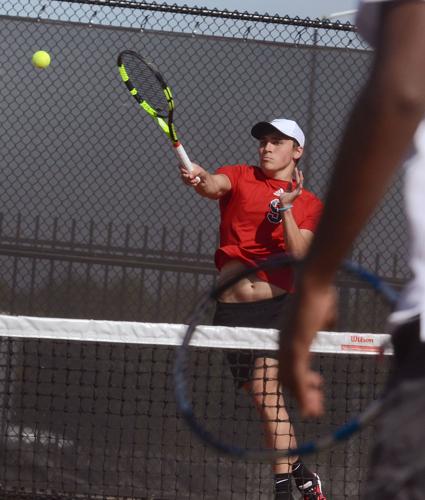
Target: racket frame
165 122
181 368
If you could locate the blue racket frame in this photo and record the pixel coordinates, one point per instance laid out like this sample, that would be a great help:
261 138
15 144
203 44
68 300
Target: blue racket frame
182 361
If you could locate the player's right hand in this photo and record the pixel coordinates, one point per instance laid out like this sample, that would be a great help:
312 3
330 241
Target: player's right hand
192 178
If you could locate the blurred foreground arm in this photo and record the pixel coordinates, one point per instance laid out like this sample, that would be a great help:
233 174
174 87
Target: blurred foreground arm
377 138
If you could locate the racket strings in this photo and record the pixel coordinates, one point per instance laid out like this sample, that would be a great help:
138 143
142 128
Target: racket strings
353 364
146 82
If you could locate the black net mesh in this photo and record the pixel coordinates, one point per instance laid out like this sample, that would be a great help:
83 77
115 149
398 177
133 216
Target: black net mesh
92 419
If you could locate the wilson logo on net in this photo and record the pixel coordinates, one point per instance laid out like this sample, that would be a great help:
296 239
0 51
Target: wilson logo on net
361 343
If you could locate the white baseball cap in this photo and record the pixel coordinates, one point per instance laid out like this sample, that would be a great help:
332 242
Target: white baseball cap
286 127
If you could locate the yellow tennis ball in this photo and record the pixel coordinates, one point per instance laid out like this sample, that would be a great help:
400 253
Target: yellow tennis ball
41 59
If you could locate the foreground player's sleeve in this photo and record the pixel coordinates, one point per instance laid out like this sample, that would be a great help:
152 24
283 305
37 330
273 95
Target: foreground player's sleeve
369 15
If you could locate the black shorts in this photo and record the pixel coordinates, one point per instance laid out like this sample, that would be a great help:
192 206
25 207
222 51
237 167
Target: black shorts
397 464
260 314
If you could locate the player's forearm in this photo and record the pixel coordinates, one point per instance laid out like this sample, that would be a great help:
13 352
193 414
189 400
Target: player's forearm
210 186
296 243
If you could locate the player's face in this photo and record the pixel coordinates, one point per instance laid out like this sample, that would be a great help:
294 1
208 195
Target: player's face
278 154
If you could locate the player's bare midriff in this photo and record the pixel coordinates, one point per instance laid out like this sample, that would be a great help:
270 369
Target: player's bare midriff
248 289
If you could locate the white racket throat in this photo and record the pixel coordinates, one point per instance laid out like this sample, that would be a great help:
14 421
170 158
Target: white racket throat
184 159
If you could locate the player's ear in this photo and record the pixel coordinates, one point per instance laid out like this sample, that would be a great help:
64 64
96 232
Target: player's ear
298 151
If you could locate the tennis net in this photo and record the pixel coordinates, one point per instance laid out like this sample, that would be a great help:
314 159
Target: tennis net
88 411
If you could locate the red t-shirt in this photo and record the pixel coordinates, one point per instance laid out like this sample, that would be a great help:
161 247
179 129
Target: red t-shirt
251 228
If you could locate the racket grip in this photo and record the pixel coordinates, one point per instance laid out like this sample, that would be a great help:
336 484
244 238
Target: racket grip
184 159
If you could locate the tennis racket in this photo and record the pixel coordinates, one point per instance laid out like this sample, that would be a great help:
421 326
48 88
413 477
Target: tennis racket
146 84
202 417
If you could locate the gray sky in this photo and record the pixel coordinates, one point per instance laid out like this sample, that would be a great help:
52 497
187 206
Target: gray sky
300 8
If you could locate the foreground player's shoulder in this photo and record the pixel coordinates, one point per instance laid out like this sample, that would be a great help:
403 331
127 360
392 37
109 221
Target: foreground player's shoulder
369 17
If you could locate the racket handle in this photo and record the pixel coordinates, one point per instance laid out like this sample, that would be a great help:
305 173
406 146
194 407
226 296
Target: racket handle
184 159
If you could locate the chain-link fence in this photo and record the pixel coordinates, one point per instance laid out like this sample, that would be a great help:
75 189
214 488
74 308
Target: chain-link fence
95 222
94 219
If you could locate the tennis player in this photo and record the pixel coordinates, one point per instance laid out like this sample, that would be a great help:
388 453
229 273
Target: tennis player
264 211
386 129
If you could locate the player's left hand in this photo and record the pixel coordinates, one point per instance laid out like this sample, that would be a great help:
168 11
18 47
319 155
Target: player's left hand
288 198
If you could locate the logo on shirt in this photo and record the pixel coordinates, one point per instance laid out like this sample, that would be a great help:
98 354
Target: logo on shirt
274 216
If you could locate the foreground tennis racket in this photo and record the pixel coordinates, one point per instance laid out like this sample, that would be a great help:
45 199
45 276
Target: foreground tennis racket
148 87
202 418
